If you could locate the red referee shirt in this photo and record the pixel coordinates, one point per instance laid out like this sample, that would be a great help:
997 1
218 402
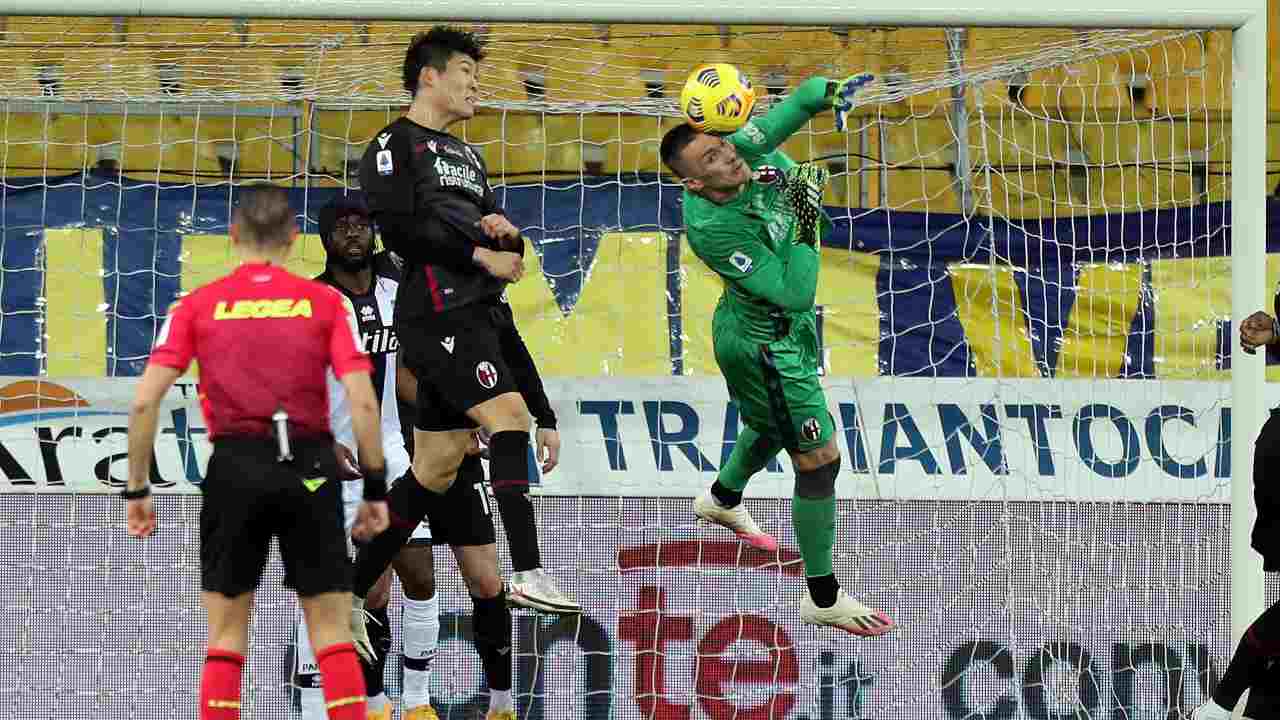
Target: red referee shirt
263 338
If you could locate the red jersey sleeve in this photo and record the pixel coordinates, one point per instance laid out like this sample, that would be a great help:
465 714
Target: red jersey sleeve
345 355
175 343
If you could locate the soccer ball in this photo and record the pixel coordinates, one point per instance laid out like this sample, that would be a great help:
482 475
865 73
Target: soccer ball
717 98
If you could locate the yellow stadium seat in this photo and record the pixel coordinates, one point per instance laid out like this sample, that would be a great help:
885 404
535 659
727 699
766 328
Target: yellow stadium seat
1192 74
208 55
112 73
37 145
1121 156
1273 51
918 153
999 342
60 34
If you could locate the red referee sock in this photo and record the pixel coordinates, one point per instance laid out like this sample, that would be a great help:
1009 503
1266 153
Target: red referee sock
344 691
220 685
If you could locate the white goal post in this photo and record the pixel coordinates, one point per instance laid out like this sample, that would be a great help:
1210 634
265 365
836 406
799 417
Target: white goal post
1247 19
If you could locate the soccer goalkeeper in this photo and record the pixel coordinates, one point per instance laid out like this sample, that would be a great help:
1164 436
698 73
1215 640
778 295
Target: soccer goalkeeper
755 217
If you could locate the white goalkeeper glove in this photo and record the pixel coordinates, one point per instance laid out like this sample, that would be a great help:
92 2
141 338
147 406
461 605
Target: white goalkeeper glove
804 185
842 98
360 634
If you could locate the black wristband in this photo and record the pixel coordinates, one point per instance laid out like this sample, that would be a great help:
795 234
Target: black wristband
375 484
546 423
144 491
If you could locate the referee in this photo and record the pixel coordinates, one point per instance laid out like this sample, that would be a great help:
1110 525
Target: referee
264 340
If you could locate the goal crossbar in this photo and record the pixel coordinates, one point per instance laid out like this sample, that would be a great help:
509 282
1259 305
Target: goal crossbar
1002 13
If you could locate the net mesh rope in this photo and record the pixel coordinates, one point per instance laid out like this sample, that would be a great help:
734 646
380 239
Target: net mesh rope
1023 217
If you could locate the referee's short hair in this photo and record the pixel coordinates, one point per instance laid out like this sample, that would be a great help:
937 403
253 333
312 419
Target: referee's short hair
263 216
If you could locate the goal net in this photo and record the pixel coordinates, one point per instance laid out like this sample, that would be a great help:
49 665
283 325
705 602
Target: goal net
1024 317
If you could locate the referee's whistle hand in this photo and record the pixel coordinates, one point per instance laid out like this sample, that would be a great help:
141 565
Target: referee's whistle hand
371 520
140 516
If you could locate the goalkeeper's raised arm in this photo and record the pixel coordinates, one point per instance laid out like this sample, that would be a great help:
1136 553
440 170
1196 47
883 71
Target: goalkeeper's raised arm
764 134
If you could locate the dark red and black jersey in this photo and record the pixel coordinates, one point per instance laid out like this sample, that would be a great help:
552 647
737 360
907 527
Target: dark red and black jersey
263 339
427 190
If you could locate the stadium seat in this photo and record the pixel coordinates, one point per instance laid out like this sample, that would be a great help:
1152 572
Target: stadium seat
919 154
1192 75
1273 51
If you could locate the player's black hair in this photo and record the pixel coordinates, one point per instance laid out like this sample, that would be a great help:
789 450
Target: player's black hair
264 215
340 206
434 48
674 143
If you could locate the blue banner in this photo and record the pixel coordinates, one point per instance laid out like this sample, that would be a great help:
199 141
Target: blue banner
930 285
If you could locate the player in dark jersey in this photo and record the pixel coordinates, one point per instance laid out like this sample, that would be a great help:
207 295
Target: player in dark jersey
265 340
430 196
461 519
347 237
1257 657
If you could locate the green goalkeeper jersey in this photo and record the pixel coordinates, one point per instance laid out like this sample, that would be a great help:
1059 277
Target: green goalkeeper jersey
750 241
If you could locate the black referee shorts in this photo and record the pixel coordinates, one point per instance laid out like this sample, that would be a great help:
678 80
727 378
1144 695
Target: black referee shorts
249 497
457 372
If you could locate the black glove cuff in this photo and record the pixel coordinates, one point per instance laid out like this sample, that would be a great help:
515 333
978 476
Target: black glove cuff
375 484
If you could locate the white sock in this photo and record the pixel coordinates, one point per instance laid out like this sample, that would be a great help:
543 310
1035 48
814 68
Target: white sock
500 700
377 702
420 623
306 675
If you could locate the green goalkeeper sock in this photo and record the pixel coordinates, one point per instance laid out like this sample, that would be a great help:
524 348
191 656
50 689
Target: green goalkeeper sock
813 517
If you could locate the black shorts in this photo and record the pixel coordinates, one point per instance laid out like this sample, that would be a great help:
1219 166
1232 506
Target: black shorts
457 372
465 516
249 497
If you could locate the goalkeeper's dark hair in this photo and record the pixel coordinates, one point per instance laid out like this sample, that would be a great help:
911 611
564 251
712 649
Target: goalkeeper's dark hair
263 216
674 143
434 48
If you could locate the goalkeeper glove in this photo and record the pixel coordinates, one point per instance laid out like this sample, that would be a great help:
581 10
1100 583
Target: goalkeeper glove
842 96
804 185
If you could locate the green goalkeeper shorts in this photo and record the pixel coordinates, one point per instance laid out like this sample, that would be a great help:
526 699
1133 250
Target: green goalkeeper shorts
775 384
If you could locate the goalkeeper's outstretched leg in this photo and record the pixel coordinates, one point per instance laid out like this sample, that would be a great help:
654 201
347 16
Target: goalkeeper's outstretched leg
776 387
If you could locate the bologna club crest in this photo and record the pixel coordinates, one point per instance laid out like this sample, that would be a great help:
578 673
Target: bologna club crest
811 429
486 375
